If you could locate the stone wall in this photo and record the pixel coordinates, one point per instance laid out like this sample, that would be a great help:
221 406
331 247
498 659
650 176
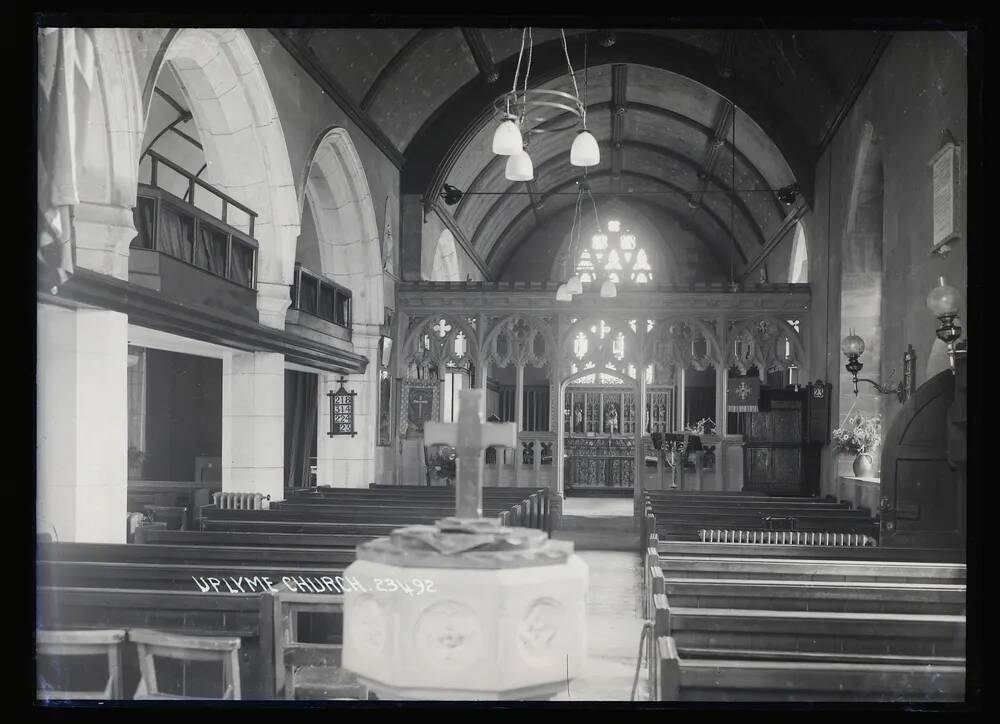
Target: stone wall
917 92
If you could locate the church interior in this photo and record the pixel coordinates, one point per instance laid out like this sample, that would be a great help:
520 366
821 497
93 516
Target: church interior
503 363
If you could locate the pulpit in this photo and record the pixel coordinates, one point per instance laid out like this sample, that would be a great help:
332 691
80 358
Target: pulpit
500 612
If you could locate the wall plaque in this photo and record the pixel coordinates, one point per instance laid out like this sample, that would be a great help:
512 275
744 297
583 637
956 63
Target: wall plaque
946 167
341 411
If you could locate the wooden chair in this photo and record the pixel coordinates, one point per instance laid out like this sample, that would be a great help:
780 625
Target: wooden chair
309 670
185 648
84 643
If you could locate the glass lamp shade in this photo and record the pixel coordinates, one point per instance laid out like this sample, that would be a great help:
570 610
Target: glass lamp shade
609 290
575 285
853 345
519 167
584 151
507 139
563 295
944 300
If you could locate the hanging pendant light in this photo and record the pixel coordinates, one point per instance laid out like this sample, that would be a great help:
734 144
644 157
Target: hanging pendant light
584 151
507 139
519 167
575 284
608 289
563 295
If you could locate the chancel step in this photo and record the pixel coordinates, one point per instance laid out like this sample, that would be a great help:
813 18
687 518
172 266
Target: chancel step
786 537
240 501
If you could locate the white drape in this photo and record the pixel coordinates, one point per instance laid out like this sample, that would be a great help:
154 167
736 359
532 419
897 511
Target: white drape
66 72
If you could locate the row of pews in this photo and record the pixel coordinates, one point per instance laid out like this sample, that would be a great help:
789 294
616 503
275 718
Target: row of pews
776 622
250 574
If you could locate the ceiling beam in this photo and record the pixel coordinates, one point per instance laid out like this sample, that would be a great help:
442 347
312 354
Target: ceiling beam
724 118
442 137
490 167
395 62
643 147
312 65
456 231
789 222
481 53
498 246
618 108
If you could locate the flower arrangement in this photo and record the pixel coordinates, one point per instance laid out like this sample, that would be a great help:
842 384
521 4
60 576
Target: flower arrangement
859 434
704 426
444 463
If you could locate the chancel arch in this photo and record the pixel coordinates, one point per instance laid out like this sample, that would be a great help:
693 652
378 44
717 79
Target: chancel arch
444 260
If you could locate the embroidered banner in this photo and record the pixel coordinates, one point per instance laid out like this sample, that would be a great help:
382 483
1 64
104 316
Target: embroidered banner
743 394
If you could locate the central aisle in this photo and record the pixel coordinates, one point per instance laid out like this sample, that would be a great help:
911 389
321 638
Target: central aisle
606 539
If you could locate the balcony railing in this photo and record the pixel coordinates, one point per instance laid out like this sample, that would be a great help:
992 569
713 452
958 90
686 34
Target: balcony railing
175 226
320 297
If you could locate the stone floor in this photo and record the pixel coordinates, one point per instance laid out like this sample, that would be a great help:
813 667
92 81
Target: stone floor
606 539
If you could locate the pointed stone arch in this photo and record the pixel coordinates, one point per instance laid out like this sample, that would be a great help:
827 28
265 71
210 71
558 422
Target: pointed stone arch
798 264
444 264
244 147
861 270
336 188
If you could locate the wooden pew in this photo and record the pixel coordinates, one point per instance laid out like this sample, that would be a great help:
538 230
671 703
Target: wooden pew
810 569
869 553
748 634
195 555
185 576
692 679
251 540
248 616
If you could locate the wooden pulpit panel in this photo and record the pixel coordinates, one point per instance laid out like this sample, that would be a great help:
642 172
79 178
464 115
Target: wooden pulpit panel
923 500
774 451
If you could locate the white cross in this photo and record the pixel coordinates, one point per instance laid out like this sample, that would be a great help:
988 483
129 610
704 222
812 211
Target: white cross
470 437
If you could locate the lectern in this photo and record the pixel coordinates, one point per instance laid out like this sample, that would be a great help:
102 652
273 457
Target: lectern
677 445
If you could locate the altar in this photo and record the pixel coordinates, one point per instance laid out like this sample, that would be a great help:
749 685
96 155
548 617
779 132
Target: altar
600 462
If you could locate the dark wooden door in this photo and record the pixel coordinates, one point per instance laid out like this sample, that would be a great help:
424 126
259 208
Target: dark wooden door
774 448
923 472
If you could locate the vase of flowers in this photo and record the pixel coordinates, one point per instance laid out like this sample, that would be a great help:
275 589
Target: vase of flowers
860 435
704 426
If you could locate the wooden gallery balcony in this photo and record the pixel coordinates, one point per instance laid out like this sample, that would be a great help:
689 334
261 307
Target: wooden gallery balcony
193 249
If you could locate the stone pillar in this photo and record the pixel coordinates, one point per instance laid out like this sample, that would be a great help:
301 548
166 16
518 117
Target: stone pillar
253 423
344 461
82 424
103 233
681 399
721 428
519 420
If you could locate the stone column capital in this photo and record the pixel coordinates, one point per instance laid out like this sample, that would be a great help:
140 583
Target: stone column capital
273 301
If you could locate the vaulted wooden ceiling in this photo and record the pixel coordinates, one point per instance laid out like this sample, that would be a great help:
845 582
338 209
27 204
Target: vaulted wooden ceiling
662 104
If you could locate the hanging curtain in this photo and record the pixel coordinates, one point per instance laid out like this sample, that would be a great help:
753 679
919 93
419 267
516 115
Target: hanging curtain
301 391
210 251
175 233
144 212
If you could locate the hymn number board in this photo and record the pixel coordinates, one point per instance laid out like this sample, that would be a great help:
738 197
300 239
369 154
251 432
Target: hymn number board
342 411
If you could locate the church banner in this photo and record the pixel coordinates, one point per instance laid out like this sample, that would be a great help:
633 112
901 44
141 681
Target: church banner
743 394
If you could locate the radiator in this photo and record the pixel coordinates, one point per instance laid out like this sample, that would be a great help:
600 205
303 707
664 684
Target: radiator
786 537
240 501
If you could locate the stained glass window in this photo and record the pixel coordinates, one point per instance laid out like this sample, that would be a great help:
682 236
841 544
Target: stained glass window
614 255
